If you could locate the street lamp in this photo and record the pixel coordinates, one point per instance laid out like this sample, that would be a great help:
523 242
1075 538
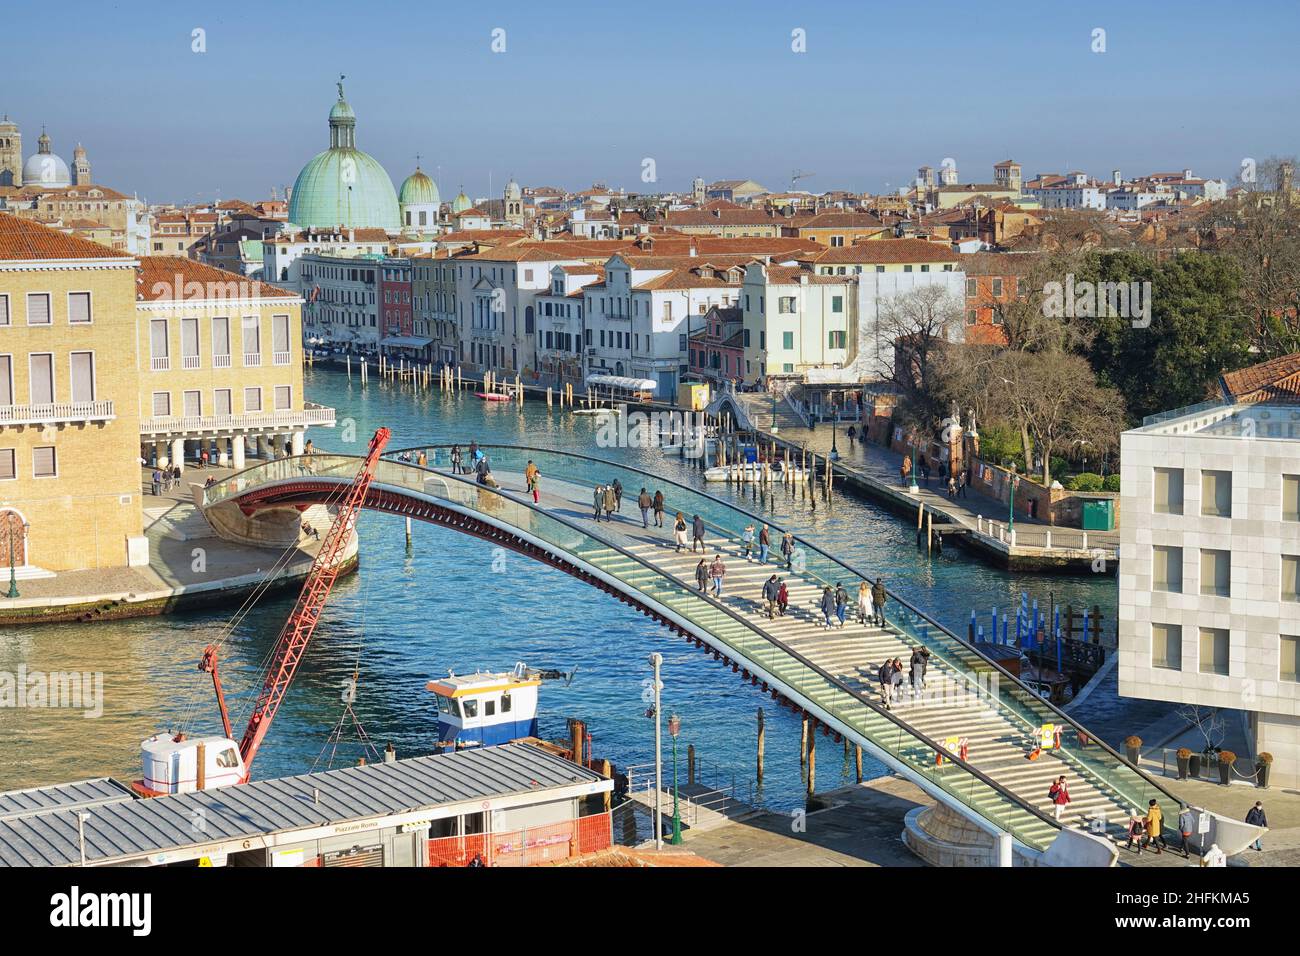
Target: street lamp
912 486
1011 513
674 727
774 429
13 577
835 451
656 660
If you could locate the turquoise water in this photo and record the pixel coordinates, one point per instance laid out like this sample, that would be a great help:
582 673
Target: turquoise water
453 602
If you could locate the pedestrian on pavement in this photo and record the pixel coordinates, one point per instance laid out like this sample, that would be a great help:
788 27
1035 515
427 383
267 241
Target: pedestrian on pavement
473 454
952 487
853 434
764 544
841 602
618 494
203 458
828 605
771 593
717 571
886 675
1059 794
157 481
645 502
896 677
697 533
787 549
961 485
176 476
747 539
1186 825
1255 817
659 509
916 671
611 502
1155 827
679 533
1137 831
905 469
865 611
598 499
455 459
782 597
878 601
702 575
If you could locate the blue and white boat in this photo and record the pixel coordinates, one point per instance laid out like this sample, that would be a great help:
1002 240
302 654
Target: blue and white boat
487 708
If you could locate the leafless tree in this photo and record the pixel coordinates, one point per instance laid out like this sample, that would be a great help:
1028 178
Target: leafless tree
912 330
1208 722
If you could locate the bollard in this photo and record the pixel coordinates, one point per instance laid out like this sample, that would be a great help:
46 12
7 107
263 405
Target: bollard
803 741
762 736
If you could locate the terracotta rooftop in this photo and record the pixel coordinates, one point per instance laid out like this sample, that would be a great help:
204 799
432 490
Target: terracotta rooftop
23 240
159 277
883 251
1277 380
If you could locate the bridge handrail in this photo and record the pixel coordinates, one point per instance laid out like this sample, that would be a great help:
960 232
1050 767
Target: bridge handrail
1024 699
340 468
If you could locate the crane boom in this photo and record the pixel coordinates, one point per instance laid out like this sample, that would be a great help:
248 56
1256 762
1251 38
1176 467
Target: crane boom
301 624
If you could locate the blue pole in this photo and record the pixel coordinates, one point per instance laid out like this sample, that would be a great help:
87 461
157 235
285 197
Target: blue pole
1058 652
1004 629
1085 625
979 636
995 624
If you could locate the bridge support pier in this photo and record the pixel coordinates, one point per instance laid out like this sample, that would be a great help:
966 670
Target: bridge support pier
237 449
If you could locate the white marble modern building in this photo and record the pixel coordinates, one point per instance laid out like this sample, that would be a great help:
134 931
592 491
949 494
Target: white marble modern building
1209 576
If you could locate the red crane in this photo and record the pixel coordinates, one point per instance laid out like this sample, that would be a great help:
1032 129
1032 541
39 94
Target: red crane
301 624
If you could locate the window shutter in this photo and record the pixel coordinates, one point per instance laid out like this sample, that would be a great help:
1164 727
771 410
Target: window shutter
83 376
162 404
223 401
79 307
4 310
190 337
280 333
220 336
193 404
38 309
282 397
6 380
42 379
43 464
158 338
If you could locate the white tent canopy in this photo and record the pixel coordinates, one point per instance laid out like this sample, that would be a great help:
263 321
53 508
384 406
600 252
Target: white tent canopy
624 382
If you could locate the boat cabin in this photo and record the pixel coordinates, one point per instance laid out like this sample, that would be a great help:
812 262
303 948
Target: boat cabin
484 709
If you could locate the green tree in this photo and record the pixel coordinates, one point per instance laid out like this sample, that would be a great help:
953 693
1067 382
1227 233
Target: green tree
1197 330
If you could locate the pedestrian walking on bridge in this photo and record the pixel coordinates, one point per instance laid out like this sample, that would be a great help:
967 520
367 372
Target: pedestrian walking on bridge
878 600
598 499
1059 794
865 611
617 487
782 597
828 605
787 549
841 603
645 502
679 533
659 509
697 533
702 575
886 675
764 544
1255 817
717 571
611 502
771 594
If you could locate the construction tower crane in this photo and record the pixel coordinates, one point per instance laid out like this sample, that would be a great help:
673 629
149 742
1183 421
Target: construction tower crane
174 764
797 175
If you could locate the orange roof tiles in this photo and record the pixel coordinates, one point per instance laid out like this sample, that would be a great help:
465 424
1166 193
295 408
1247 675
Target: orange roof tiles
1277 380
158 279
22 240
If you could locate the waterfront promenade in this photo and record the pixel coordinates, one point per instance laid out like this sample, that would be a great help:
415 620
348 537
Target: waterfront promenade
189 566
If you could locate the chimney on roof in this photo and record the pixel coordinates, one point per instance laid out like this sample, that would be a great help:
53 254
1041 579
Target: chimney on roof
1187 174
1116 178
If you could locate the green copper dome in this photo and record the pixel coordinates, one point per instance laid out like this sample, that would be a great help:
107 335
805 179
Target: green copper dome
344 186
418 189
461 202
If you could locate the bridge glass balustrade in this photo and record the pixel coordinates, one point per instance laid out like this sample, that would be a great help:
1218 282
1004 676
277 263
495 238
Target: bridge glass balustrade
743 639
1088 757
1021 706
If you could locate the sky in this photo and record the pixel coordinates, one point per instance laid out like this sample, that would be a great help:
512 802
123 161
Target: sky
589 91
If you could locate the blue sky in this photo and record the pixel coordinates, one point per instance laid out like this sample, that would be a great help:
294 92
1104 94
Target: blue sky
586 91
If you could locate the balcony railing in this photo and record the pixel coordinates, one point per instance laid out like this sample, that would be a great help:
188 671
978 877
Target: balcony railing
221 361
310 414
160 363
282 358
53 413
190 361
252 359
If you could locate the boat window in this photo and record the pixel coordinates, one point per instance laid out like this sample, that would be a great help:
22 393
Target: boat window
471 707
489 708
228 759
448 705
505 703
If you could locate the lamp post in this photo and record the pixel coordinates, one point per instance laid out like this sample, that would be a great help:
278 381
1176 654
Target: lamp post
835 451
774 428
656 660
674 727
1011 507
13 577
912 486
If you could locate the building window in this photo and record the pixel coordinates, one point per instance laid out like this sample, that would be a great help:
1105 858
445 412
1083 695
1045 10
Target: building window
280 353
41 385
192 403
997 287
9 465
1288 654
252 341
1290 577
78 308
158 355
1216 493
837 303
44 462
1214 651
787 367
221 402
907 268
1291 497
835 340
1168 491
4 309
82 368
283 398
1216 573
162 404
1167 569
787 341
252 399
1167 646
972 316
785 303
6 380
189 343
38 308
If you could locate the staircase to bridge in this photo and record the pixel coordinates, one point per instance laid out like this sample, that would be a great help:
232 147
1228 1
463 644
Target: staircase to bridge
829 673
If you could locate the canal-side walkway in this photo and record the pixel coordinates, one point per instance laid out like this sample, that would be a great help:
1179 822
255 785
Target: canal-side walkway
981 521
189 566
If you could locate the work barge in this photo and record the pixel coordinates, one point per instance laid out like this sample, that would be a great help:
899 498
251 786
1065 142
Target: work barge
516 804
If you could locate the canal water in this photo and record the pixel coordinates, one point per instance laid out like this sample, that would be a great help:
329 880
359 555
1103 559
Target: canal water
451 602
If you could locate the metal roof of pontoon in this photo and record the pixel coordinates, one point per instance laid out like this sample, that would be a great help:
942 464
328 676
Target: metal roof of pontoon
127 829
63 796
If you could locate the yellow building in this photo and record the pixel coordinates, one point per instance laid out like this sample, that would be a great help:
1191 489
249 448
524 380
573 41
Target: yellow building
69 423
834 229
220 366
884 255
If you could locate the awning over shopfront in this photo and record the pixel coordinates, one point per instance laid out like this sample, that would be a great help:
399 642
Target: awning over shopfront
405 341
624 382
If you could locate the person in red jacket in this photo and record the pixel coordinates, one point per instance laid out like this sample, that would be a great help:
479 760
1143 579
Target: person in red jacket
1059 794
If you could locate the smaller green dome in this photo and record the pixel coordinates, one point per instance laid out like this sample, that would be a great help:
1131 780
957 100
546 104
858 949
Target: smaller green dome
342 111
461 202
418 189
